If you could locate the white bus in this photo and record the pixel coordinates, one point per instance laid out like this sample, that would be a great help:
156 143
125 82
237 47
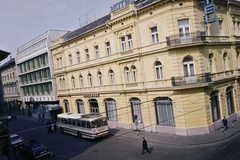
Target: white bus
83 125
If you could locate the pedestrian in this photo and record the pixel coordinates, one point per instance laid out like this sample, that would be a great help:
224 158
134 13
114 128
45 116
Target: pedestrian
39 117
55 125
225 123
49 126
52 126
144 146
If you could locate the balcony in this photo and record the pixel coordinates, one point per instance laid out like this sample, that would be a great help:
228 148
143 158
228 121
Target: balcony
188 38
199 78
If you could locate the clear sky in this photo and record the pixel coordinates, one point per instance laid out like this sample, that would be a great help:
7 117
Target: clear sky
23 20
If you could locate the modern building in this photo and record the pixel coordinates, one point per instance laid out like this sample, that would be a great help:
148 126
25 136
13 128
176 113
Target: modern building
35 75
167 65
10 86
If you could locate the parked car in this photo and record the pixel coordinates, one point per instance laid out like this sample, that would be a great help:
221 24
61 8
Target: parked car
33 151
16 140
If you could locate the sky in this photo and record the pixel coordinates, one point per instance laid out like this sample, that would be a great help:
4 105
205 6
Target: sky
23 20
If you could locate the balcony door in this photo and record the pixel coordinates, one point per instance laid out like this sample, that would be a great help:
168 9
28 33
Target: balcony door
189 71
184 31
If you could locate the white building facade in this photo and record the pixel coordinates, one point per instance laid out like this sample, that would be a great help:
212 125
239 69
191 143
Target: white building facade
35 74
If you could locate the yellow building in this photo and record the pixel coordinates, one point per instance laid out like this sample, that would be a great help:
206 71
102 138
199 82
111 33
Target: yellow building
156 62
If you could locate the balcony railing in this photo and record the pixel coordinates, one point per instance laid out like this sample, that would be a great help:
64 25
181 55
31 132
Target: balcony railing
188 38
199 78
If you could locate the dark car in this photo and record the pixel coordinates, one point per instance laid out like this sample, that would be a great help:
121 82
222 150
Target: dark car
33 151
16 140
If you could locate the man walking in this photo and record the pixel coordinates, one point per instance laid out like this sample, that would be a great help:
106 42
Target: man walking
225 123
144 146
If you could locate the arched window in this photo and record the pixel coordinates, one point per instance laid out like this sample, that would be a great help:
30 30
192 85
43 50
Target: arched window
111 77
158 68
111 110
215 106
66 104
136 109
81 81
64 84
188 67
73 83
127 72
225 62
164 111
134 73
211 63
100 80
80 106
90 80
230 101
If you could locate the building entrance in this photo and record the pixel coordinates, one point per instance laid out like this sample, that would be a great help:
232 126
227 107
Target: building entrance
93 106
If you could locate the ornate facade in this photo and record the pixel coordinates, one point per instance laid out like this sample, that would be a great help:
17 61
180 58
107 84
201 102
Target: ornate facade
154 62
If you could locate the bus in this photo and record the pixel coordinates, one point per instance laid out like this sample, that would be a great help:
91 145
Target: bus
83 125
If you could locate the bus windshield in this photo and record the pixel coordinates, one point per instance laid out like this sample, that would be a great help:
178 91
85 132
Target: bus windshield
99 123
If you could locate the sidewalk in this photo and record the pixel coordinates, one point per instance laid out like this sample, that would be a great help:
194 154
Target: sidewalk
216 136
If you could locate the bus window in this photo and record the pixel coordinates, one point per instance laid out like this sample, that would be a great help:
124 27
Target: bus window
69 121
65 120
78 123
98 122
93 124
73 122
83 124
104 122
88 125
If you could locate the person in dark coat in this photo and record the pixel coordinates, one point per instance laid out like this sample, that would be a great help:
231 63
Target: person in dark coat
49 126
225 123
144 146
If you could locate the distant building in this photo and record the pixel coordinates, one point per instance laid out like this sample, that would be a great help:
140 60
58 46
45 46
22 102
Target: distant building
10 86
3 55
156 63
35 74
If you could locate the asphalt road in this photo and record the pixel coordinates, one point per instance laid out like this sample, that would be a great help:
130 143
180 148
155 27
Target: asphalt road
66 146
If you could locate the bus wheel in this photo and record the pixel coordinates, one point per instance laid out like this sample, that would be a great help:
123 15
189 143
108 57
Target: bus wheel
79 135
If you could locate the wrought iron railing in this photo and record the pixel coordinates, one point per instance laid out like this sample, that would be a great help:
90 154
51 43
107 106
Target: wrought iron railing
187 38
199 78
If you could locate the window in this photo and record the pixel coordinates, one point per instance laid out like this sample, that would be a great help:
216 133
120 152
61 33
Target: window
73 83
215 106
158 68
134 73
130 44
211 62
70 59
111 110
67 108
100 81
238 28
87 55
220 27
90 80
164 111
111 75
230 100
136 109
154 35
234 28
128 79
188 67
80 106
108 48
225 65
183 27
93 106
96 51
78 57
81 81
123 43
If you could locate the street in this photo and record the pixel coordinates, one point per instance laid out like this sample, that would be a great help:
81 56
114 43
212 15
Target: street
65 146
